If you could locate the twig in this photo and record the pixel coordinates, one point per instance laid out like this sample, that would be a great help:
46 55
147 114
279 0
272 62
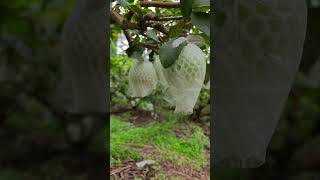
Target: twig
160 27
149 46
159 18
170 18
129 15
151 17
148 20
159 4
122 22
119 170
128 36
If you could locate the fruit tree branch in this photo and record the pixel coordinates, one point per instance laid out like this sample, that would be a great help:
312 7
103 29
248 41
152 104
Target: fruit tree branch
122 22
159 4
145 21
149 46
170 18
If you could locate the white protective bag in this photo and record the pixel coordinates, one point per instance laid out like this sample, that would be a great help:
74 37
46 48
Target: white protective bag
142 78
184 79
259 45
83 88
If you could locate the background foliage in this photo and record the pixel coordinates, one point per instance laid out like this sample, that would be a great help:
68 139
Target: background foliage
36 141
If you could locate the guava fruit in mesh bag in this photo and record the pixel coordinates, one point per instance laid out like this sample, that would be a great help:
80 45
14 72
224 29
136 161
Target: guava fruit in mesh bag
185 78
142 78
160 70
257 57
165 87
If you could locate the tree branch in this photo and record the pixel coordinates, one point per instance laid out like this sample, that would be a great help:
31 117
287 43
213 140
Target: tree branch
148 20
170 18
129 15
160 27
149 46
122 22
159 4
128 36
159 18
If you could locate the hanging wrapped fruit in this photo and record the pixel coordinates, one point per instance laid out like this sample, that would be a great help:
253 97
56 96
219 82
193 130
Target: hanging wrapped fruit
184 75
142 78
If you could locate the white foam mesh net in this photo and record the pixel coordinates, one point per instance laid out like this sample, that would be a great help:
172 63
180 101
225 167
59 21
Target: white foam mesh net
83 87
142 78
258 51
185 78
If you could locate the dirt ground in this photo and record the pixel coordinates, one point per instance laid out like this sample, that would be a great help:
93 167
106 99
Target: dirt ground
163 169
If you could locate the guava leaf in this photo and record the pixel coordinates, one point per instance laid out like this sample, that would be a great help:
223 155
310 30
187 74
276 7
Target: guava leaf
186 8
200 3
169 54
197 40
153 35
135 8
176 30
135 52
202 21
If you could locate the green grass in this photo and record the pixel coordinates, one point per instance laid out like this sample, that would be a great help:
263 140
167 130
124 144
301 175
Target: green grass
187 150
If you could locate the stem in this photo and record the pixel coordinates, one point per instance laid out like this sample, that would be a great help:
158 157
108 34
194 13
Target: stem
159 4
159 18
149 46
160 27
170 18
128 36
129 15
122 22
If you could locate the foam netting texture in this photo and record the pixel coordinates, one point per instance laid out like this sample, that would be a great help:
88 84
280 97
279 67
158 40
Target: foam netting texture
184 79
142 78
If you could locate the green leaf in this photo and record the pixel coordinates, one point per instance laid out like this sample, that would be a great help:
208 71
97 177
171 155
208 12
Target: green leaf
133 7
204 9
113 49
123 3
200 3
147 11
135 52
168 54
153 35
197 40
202 21
176 30
136 9
206 38
186 8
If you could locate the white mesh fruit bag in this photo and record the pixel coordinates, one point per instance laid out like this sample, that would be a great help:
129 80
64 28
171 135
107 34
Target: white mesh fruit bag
185 78
258 51
167 96
142 78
